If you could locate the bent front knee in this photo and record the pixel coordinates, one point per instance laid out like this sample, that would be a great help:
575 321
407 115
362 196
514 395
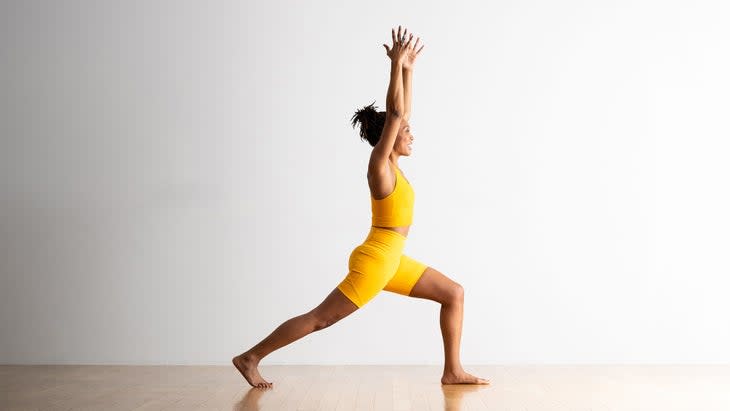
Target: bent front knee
456 294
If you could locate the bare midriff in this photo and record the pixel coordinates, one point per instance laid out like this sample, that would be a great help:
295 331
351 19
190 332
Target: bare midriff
401 230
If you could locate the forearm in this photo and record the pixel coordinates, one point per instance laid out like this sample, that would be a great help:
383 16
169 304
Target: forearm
407 80
394 100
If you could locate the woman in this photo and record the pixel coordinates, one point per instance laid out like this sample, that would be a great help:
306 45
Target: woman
379 263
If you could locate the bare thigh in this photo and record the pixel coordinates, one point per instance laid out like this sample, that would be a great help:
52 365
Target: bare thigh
434 285
335 307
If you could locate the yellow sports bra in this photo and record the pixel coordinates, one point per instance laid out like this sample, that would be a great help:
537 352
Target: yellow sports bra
396 209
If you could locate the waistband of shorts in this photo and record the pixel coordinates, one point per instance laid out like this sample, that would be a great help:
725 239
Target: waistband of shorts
382 233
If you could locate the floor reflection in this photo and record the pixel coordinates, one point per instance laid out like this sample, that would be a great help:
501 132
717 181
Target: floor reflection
454 395
250 401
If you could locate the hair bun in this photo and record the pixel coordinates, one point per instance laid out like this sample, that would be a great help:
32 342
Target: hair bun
367 117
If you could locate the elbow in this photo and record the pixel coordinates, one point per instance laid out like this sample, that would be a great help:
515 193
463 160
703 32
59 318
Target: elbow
394 112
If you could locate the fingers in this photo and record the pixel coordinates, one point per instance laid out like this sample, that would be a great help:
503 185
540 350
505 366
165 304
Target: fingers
401 37
399 41
415 46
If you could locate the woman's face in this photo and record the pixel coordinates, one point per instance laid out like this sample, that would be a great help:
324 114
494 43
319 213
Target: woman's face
404 140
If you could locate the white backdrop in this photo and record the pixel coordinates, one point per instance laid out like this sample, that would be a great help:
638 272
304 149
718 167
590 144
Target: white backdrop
178 178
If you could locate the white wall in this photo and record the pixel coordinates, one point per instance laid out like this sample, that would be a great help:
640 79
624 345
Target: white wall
180 177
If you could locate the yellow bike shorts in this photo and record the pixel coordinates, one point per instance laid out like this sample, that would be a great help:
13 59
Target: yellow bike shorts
379 264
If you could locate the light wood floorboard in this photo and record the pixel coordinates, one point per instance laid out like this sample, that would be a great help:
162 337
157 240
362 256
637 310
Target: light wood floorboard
355 388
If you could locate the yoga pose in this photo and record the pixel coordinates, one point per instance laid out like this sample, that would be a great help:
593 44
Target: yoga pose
379 263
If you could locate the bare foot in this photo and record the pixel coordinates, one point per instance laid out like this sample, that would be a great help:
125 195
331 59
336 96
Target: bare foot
247 366
462 378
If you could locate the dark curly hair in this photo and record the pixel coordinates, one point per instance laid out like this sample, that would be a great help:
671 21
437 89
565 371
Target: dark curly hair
371 122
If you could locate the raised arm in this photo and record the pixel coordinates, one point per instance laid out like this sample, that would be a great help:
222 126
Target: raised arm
407 75
394 103
408 62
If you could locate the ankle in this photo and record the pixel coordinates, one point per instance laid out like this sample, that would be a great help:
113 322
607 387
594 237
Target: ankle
453 369
248 356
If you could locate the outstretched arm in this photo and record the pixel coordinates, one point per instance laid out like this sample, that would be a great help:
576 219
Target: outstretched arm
394 105
394 101
407 80
411 54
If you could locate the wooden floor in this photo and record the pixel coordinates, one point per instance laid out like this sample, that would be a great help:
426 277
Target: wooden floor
565 388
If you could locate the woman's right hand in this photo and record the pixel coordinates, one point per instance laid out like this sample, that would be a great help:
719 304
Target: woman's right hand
399 51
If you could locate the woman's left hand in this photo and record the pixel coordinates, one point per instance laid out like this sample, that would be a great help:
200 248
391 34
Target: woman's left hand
412 52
